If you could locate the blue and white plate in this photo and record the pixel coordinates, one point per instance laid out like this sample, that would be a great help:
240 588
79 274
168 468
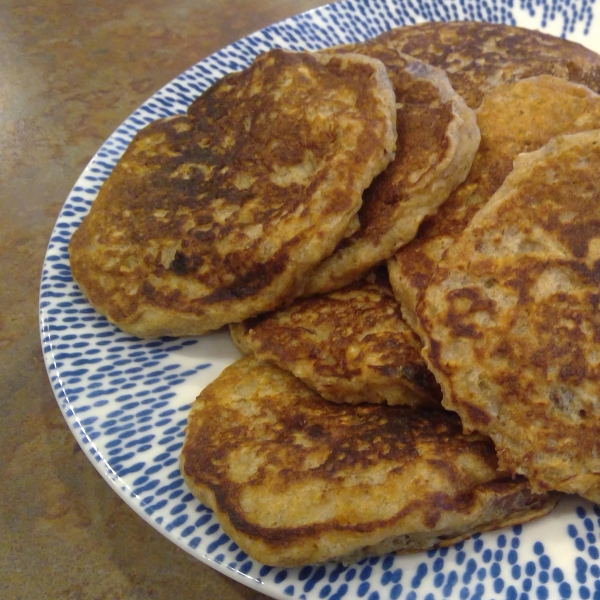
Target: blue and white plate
126 400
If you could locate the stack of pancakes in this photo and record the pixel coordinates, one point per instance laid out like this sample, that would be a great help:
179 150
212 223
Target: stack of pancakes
404 237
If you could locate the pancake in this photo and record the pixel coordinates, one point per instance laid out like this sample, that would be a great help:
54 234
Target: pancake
216 216
350 345
513 118
511 318
437 140
478 56
294 479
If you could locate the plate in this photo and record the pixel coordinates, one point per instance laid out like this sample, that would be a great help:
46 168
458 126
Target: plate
126 400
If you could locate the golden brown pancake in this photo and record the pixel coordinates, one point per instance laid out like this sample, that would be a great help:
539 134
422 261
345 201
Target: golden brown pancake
350 345
513 118
511 318
294 479
479 56
437 140
214 217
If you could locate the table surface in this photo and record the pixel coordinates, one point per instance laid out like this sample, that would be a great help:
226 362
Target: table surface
71 73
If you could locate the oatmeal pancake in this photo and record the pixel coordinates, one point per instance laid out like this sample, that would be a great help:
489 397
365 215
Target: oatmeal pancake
216 216
479 56
437 140
511 322
350 345
295 480
513 118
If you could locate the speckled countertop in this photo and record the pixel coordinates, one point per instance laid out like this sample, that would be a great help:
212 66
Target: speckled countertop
71 73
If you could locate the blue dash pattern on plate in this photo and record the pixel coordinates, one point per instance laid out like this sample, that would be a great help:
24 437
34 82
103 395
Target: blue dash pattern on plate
126 400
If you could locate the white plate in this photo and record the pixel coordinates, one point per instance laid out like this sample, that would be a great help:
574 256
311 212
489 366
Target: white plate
126 400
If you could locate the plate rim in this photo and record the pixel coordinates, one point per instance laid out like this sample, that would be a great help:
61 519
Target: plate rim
75 426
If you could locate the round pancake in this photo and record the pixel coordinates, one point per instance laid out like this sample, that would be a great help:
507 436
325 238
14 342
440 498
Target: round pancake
478 56
214 217
350 345
511 318
513 118
294 479
437 140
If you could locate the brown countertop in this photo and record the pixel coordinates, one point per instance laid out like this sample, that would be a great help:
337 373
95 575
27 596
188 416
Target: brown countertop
71 73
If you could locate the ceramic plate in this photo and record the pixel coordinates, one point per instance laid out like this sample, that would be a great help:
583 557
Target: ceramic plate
126 400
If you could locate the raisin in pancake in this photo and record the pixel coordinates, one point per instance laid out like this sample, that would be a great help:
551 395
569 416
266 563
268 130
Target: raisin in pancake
479 56
513 118
350 345
294 479
211 218
512 323
437 140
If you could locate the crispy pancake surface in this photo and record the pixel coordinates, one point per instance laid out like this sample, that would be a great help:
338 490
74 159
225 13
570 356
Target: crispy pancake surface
214 217
513 118
295 479
478 56
350 345
437 140
512 323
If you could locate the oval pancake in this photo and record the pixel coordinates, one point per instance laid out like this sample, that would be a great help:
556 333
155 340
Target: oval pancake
294 479
350 345
479 56
214 217
437 140
511 320
513 118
